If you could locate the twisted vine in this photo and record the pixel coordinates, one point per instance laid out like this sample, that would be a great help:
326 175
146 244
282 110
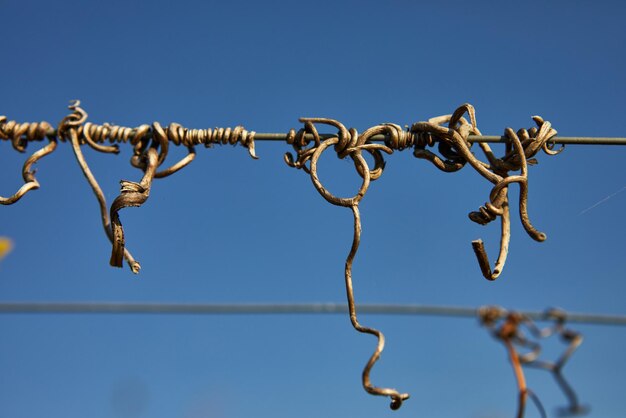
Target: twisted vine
449 132
348 143
456 151
20 134
150 149
507 327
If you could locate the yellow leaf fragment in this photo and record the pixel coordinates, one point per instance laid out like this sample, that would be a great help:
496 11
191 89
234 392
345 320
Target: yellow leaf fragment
5 246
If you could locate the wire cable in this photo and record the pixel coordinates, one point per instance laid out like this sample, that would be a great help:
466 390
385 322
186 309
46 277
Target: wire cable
159 308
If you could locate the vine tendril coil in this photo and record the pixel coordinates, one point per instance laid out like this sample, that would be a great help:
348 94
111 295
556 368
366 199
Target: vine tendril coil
145 139
20 134
573 339
131 194
349 143
449 132
456 152
68 130
507 328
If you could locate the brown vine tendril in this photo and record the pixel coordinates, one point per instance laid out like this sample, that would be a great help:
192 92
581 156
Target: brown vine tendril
69 128
145 139
573 339
507 328
349 143
449 132
510 335
20 134
131 194
151 144
456 152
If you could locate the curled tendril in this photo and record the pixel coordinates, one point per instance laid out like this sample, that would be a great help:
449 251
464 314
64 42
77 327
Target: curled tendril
573 339
299 142
510 335
507 327
70 131
20 134
455 148
131 195
450 132
349 143
145 139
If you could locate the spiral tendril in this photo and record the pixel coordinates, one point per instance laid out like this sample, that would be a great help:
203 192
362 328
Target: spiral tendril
455 149
507 327
348 143
146 140
20 134
448 132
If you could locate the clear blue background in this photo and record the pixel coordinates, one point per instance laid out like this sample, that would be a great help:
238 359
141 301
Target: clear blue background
231 229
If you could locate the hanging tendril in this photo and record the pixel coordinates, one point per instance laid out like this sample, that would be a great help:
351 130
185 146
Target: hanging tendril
456 149
510 334
131 195
348 143
449 132
20 134
69 130
144 138
507 328
573 340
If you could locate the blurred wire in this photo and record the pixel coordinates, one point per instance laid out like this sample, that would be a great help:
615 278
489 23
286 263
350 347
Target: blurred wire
274 309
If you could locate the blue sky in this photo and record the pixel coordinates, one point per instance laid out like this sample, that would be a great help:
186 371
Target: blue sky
231 229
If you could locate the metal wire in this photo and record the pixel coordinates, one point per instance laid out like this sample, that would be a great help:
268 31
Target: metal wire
453 134
331 308
492 139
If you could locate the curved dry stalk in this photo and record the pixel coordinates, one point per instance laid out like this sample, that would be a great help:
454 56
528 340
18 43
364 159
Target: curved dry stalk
95 187
519 378
573 339
505 239
396 397
162 137
510 336
13 131
450 132
74 129
69 130
509 332
453 139
351 144
30 182
453 144
131 195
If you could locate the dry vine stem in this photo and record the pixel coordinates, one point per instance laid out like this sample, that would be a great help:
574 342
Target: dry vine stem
450 132
455 148
20 134
510 333
151 143
348 143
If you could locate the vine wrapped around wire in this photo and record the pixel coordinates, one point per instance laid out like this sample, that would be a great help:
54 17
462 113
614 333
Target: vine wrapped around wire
449 132
150 148
455 149
20 134
348 143
507 327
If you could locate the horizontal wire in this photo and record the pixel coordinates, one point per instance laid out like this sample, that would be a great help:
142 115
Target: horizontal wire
565 140
273 309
